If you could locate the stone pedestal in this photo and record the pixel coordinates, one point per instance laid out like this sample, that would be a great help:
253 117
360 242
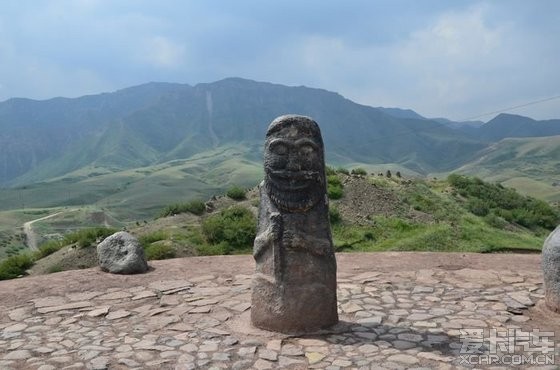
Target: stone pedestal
551 270
294 286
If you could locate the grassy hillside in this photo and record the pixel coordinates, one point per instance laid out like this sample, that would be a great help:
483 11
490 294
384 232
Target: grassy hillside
139 193
371 213
531 165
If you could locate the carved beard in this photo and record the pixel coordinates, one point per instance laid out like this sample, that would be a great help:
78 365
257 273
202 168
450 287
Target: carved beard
294 191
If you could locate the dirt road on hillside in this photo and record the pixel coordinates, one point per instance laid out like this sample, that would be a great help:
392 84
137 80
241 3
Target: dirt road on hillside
30 235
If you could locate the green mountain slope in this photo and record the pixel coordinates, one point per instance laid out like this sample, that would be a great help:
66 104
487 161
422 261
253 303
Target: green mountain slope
156 123
140 192
531 165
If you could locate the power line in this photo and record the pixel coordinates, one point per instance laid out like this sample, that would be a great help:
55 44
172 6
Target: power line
514 107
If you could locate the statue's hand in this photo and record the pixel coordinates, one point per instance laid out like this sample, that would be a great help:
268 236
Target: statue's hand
276 225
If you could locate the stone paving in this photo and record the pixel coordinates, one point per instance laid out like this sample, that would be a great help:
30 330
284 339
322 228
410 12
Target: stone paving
389 320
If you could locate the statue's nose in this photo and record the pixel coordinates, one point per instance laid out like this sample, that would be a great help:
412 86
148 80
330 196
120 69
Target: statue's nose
294 163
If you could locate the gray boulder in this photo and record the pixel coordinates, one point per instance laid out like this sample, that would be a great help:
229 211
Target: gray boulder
121 253
551 270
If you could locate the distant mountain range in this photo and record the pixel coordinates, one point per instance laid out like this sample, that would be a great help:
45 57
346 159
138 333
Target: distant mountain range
156 123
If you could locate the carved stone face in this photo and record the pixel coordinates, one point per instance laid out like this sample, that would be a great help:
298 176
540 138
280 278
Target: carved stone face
294 163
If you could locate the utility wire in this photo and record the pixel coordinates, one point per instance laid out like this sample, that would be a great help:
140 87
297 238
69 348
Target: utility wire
514 107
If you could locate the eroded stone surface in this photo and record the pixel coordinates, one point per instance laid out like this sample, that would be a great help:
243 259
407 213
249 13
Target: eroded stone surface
551 270
294 286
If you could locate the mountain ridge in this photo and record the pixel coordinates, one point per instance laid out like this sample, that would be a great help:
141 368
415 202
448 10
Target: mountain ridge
173 140
158 122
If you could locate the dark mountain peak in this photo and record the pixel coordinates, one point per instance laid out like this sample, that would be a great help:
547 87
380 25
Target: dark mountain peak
512 125
232 82
401 113
509 119
149 88
243 83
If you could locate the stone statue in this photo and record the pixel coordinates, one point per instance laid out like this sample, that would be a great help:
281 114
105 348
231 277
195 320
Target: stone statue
294 286
551 270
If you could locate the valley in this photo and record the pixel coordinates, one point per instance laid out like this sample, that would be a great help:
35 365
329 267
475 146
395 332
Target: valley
117 159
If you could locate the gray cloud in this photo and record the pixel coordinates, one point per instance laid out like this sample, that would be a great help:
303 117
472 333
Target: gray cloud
454 59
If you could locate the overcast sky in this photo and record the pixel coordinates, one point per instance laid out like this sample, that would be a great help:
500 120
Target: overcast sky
455 59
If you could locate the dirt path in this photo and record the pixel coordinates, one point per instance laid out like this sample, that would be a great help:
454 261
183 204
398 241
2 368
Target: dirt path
30 235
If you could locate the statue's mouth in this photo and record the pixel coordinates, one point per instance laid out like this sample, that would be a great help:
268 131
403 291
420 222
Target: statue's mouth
293 181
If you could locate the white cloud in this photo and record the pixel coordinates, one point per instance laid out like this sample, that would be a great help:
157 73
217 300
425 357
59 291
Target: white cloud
163 52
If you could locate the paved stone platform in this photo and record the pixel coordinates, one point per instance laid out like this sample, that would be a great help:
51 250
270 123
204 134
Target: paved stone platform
397 310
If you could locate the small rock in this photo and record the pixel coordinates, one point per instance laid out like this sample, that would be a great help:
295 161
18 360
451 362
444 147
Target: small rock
121 253
268 354
247 351
22 354
419 317
101 311
242 365
404 359
422 289
119 314
263 365
314 357
342 363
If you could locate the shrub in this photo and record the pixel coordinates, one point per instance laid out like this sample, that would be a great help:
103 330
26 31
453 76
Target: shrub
483 198
495 221
147 239
329 171
48 248
334 215
334 187
159 252
87 237
54 268
343 170
213 249
359 171
388 174
398 174
478 207
236 193
14 266
235 226
196 207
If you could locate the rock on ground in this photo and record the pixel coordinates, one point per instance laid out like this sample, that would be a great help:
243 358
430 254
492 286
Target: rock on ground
121 253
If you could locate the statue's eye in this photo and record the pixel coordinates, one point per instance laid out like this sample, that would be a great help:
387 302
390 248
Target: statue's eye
279 149
306 149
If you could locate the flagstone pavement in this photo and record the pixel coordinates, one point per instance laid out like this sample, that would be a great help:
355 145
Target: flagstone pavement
397 311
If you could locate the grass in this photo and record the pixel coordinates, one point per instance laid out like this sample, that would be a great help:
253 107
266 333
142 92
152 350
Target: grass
470 234
159 252
531 165
236 193
15 266
87 237
483 198
454 227
196 207
335 189
433 215
138 194
233 228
